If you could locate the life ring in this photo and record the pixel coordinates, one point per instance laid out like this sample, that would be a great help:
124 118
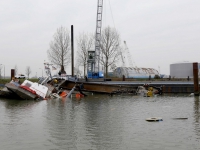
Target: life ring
154 119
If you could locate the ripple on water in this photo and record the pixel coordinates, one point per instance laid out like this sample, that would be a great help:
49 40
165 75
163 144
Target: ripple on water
101 122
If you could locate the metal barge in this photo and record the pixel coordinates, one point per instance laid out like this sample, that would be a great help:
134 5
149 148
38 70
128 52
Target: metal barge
129 86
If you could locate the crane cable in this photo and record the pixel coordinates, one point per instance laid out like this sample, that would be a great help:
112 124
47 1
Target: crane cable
111 14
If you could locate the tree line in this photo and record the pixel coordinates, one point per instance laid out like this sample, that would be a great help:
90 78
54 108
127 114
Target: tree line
27 71
59 52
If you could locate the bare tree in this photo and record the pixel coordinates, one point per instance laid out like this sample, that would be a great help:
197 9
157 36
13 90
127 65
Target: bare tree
28 71
77 72
16 69
110 48
84 43
59 51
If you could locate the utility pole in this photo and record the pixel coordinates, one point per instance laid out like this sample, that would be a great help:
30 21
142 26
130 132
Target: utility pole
195 78
72 49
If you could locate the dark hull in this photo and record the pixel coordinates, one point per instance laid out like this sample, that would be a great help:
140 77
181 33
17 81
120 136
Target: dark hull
130 86
20 92
5 93
99 87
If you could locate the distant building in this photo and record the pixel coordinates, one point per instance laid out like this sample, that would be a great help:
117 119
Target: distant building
134 72
182 69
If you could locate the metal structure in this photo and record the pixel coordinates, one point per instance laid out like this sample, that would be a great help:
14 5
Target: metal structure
47 69
98 34
91 66
129 56
122 57
72 49
94 56
91 63
126 56
131 85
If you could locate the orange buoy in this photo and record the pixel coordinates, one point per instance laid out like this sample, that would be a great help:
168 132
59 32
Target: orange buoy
63 94
79 95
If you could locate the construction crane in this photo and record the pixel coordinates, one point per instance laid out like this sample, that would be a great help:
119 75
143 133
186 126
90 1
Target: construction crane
129 56
94 56
122 58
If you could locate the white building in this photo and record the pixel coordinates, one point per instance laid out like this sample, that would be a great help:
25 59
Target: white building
182 70
134 72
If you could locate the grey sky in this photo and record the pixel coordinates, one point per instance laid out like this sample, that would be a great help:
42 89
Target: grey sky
157 32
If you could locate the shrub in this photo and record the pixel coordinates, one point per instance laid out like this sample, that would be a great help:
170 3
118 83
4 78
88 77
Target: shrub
156 77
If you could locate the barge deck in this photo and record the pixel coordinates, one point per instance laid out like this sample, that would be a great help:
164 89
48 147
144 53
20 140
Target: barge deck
130 86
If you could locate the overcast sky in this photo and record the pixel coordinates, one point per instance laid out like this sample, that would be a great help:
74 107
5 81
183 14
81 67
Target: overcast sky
157 32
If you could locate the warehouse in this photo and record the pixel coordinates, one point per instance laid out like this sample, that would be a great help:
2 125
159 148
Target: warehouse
135 72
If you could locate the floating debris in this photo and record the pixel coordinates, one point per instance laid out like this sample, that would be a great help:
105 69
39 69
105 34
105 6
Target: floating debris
154 119
191 94
179 118
149 91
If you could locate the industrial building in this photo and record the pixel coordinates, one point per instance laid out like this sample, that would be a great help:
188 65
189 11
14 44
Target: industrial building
135 72
182 70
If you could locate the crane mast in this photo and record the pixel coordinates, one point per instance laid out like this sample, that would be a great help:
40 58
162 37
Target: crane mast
129 56
94 56
98 34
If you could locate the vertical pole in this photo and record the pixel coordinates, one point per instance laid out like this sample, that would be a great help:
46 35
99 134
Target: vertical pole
12 73
72 49
196 80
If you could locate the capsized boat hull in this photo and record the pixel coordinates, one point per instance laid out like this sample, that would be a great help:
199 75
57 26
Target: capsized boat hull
22 93
6 93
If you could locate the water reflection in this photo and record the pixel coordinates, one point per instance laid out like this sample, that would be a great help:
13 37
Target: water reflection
14 110
197 116
98 122
83 123
62 122
17 122
101 122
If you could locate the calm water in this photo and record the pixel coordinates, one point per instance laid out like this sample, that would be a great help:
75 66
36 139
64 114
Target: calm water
101 122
